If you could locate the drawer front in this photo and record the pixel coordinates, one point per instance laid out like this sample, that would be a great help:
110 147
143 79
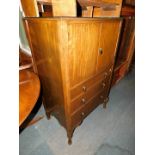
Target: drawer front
83 88
78 116
83 99
78 102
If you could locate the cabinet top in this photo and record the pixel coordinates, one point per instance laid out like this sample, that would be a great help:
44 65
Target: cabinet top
73 18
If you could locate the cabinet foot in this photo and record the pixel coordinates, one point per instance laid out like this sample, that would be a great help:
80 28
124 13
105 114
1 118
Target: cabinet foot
69 141
105 102
69 135
48 115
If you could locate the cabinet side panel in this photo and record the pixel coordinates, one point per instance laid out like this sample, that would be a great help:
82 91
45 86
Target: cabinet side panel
45 41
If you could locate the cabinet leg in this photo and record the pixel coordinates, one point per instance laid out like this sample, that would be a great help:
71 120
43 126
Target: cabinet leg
69 141
48 115
105 102
69 135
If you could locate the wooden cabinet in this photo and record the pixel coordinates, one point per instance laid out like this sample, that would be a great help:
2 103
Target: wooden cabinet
126 48
74 58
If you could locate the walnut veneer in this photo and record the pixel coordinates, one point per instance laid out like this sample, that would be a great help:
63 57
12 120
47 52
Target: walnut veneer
74 58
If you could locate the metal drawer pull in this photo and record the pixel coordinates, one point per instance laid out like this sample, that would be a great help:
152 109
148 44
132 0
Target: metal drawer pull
82 113
103 84
84 88
83 100
101 96
100 51
105 73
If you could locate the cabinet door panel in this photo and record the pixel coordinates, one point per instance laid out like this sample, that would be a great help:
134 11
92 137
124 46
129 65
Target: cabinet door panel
83 47
108 43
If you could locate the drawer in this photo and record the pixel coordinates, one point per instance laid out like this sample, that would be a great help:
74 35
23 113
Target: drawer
85 86
92 91
77 117
99 86
78 102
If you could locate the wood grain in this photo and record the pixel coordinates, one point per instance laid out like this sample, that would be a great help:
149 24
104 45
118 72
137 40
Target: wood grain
84 86
83 38
47 59
127 11
99 85
44 2
129 2
64 8
107 12
99 3
87 11
100 8
29 90
126 49
25 60
30 8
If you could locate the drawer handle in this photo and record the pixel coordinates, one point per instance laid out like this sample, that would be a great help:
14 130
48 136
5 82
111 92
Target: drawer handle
83 100
110 70
105 73
82 114
84 88
100 51
101 96
103 84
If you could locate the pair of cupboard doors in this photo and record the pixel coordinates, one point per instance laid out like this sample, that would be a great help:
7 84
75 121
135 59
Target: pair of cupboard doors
92 47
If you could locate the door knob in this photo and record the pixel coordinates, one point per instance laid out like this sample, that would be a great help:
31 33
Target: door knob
83 100
82 113
100 51
84 88
110 70
103 84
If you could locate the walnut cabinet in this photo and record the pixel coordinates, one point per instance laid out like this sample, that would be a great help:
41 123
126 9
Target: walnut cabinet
74 58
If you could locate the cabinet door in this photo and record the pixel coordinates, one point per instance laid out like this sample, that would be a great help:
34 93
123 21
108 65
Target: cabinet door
83 47
108 43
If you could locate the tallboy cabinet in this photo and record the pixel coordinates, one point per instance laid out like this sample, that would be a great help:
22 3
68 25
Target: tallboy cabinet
74 58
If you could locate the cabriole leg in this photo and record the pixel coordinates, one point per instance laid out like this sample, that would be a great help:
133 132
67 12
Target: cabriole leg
48 115
105 102
70 135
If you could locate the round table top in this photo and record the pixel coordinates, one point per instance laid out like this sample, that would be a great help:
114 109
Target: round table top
29 91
